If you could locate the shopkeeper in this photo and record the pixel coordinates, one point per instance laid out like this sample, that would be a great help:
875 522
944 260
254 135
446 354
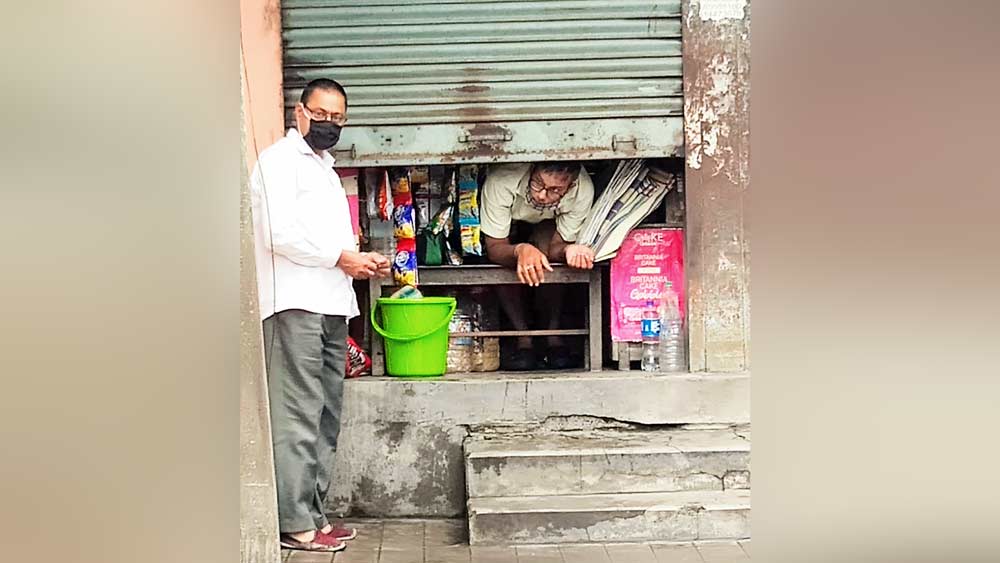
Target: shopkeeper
531 216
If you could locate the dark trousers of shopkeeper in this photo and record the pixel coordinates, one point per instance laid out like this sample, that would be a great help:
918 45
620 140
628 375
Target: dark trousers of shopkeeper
305 354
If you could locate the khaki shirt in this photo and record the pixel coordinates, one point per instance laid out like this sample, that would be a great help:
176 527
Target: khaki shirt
505 194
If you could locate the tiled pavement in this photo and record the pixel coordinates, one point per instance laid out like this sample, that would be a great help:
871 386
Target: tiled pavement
446 541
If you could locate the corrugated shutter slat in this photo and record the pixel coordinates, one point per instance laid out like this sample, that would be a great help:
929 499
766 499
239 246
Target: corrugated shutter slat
467 65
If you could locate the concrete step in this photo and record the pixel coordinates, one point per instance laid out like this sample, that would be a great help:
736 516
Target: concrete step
607 461
624 517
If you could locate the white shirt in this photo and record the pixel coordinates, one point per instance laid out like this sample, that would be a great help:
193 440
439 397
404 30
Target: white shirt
505 199
301 223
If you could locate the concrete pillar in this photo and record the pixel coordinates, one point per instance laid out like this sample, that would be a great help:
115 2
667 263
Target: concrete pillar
258 498
717 126
262 125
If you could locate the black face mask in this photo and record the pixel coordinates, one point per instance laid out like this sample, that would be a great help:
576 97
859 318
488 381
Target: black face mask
322 134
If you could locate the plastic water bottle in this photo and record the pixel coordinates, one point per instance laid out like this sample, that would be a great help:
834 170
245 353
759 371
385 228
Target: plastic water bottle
650 337
673 345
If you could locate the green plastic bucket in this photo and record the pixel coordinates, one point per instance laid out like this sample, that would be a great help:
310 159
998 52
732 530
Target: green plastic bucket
415 333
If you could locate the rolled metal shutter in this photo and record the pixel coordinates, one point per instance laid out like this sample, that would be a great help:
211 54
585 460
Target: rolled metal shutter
447 81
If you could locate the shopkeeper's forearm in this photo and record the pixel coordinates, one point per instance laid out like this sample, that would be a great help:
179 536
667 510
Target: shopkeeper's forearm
501 251
557 249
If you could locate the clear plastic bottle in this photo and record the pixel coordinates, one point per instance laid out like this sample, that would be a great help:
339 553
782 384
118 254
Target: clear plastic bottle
673 344
650 337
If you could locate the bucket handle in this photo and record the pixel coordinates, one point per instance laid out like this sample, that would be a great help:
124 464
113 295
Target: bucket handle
395 338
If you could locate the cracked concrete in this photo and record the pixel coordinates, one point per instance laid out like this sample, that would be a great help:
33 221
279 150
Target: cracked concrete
401 444
736 480
605 461
596 484
597 518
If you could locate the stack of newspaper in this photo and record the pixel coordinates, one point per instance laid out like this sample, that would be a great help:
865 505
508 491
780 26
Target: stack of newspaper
635 190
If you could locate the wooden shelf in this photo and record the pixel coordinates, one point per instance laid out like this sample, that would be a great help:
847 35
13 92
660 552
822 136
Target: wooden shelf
499 333
488 274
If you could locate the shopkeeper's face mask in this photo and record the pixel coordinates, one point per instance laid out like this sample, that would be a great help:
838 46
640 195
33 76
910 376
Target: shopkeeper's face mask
324 129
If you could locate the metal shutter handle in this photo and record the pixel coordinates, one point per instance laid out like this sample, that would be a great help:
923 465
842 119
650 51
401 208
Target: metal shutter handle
352 152
617 142
479 138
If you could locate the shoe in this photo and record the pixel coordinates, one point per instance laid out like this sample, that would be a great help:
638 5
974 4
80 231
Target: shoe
341 534
322 543
559 357
519 360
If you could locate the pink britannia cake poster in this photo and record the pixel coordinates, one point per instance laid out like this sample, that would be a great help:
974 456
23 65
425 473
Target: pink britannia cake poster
645 261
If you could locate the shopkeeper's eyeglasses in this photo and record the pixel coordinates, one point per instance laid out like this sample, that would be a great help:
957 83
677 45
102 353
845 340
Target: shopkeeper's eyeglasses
538 187
320 115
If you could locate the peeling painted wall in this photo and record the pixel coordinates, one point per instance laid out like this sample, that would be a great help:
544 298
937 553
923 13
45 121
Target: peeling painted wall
260 50
717 138
716 104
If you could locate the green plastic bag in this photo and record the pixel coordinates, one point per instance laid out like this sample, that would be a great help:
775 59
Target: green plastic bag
430 248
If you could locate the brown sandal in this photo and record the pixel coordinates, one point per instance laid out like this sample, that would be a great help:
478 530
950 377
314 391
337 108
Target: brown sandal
319 543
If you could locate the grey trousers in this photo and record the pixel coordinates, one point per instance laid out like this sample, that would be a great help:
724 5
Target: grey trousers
305 354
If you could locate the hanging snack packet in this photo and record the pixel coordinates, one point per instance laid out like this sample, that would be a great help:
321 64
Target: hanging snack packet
422 210
450 255
402 198
468 210
470 240
435 191
384 198
400 181
421 181
441 220
404 267
373 184
402 220
449 187
468 188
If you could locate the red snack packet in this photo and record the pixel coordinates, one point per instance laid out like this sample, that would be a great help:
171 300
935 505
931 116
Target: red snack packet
406 244
384 198
358 362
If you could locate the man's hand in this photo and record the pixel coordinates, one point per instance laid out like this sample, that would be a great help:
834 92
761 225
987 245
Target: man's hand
358 265
383 263
580 256
531 264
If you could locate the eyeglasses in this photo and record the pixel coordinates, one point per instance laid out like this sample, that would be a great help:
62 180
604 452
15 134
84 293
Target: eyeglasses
538 187
320 115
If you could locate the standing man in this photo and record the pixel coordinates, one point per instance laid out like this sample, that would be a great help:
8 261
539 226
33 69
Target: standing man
306 263
531 216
